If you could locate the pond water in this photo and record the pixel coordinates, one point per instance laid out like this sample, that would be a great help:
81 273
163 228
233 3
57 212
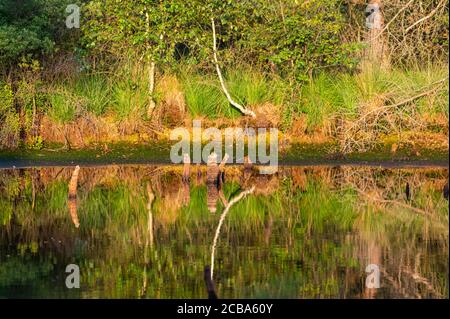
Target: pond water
143 231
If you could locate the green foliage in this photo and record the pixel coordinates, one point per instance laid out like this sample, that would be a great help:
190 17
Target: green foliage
9 119
129 99
299 37
16 42
251 87
35 143
6 98
296 37
30 27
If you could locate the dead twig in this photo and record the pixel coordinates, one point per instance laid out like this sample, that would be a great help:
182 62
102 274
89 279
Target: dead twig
365 128
426 17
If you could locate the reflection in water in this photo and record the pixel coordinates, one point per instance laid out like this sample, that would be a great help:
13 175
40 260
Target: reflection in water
210 287
151 197
445 191
73 184
222 218
148 232
374 258
148 238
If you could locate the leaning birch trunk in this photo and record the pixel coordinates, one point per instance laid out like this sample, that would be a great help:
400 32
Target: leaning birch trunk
151 72
242 109
376 54
73 184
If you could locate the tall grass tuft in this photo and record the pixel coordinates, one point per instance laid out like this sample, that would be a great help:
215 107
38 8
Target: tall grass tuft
130 91
96 93
129 99
63 105
328 94
252 87
204 95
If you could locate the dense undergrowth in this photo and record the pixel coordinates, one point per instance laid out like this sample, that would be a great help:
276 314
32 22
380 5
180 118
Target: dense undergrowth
113 107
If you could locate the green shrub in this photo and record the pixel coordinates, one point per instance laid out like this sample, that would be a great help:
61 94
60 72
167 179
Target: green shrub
9 119
35 143
6 98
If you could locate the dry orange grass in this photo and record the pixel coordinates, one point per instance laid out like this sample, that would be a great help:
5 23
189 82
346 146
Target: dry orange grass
172 103
267 115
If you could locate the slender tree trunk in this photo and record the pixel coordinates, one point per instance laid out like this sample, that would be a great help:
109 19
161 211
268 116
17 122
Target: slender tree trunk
233 201
151 198
151 88
376 53
151 71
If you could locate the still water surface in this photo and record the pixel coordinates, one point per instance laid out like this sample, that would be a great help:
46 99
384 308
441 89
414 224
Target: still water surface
302 232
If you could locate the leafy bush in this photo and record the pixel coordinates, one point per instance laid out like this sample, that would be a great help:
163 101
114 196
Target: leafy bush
296 37
30 27
35 143
9 119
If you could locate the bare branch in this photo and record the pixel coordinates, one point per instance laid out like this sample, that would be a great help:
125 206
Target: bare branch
426 17
392 20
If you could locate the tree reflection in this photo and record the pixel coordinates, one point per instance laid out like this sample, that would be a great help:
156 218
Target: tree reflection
304 232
